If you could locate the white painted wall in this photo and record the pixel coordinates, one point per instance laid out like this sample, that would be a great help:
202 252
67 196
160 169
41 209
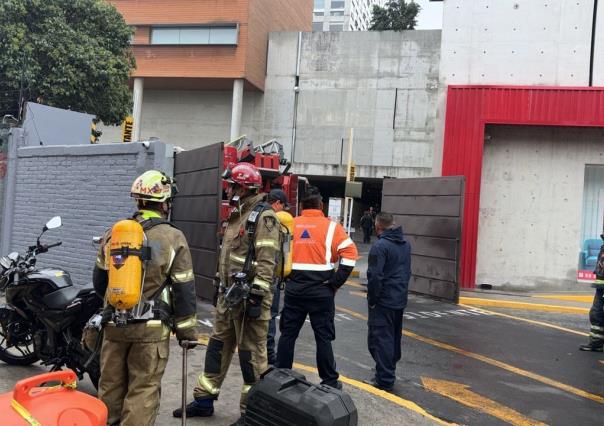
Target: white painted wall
531 203
515 42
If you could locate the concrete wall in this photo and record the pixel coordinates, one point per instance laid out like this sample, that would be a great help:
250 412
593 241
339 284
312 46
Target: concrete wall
381 83
512 42
88 186
192 119
531 205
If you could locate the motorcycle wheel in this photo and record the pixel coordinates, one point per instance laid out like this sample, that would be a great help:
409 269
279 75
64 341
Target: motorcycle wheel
21 351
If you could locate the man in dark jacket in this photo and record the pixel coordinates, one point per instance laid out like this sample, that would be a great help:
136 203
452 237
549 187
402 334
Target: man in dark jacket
388 280
367 225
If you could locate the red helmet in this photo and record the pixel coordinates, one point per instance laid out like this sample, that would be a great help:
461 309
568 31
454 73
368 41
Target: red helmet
245 175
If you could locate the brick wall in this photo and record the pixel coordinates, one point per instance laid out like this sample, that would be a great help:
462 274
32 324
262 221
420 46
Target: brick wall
88 186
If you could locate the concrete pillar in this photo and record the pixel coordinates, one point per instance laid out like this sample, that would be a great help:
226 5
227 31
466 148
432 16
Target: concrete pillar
237 108
16 139
137 108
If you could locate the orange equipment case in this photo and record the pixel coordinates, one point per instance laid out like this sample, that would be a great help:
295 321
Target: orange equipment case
61 405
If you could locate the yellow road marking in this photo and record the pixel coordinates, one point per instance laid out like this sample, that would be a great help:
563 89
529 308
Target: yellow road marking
569 297
602 361
543 324
462 394
493 362
475 301
378 392
354 284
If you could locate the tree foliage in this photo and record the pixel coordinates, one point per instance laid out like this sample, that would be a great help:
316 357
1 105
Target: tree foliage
72 54
396 15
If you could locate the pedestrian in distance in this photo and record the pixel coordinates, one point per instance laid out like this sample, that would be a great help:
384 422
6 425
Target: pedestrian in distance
596 313
247 262
278 201
135 347
388 277
318 243
367 225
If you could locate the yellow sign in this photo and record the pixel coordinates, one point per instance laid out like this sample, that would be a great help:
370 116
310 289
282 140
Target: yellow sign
127 129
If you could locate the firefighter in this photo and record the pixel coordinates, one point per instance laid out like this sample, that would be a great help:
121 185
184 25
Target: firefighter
596 313
247 261
311 287
134 354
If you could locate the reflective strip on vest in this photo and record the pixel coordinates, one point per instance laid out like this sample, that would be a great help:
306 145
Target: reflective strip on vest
183 277
348 262
328 241
311 267
267 243
245 389
238 259
22 411
188 323
154 323
345 244
598 328
172 256
261 283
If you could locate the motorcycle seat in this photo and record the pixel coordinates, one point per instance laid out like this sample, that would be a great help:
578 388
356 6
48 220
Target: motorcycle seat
85 289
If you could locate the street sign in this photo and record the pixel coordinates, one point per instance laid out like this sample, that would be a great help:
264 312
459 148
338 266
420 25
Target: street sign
354 189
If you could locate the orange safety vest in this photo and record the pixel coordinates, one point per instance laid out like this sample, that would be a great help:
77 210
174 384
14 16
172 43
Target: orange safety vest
320 242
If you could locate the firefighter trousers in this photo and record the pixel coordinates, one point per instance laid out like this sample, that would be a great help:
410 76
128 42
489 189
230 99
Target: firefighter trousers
596 319
232 331
130 384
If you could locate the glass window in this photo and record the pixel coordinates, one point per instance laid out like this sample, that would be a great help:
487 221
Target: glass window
337 13
317 26
336 27
165 36
319 4
223 35
195 35
337 4
319 13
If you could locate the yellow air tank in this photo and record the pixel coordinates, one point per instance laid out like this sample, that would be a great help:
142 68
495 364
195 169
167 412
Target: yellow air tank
125 269
287 220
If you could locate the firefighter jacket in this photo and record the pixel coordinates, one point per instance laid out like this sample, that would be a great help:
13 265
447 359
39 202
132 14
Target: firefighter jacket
170 263
236 243
318 244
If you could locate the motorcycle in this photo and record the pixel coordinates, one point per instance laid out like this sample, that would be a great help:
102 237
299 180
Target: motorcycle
45 315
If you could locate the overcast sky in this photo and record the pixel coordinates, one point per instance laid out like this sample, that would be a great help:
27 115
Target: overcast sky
430 17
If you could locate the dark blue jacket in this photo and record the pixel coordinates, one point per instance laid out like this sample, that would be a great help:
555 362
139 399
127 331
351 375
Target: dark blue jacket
389 270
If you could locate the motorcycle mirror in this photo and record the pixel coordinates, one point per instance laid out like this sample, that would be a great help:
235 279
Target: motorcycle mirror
97 240
53 223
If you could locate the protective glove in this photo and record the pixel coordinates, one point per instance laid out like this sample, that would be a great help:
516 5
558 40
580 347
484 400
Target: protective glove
187 337
253 307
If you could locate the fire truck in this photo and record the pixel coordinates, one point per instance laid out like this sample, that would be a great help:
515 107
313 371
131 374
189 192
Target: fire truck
270 160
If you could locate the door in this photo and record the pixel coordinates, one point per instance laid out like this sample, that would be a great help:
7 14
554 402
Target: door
196 210
430 210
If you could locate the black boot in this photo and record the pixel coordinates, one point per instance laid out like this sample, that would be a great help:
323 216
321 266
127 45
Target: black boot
592 347
197 408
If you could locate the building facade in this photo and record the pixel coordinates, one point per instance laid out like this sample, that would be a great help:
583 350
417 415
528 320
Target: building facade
343 15
197 48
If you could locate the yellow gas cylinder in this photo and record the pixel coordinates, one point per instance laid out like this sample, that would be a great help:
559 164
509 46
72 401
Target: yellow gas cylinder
125 266
287 220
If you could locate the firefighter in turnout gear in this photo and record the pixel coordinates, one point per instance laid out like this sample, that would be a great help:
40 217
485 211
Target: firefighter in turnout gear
596 313
247 263
135 345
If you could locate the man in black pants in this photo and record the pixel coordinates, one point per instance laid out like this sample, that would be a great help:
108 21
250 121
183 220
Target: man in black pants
388 280
311 287
596 313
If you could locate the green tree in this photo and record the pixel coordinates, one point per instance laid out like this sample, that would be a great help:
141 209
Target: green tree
72 54
396 15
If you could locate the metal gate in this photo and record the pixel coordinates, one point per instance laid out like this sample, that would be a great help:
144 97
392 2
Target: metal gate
430 210
197 210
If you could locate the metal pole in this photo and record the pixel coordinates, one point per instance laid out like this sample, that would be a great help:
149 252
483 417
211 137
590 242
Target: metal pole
185 349
348 169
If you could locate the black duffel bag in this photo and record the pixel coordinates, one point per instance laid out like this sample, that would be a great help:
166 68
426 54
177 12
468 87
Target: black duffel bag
283 398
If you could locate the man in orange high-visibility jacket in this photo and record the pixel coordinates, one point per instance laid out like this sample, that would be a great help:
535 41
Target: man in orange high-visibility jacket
311 287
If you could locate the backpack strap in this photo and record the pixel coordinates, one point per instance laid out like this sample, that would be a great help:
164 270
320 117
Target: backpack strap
250 227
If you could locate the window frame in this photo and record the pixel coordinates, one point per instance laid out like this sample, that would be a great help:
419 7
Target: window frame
229 25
